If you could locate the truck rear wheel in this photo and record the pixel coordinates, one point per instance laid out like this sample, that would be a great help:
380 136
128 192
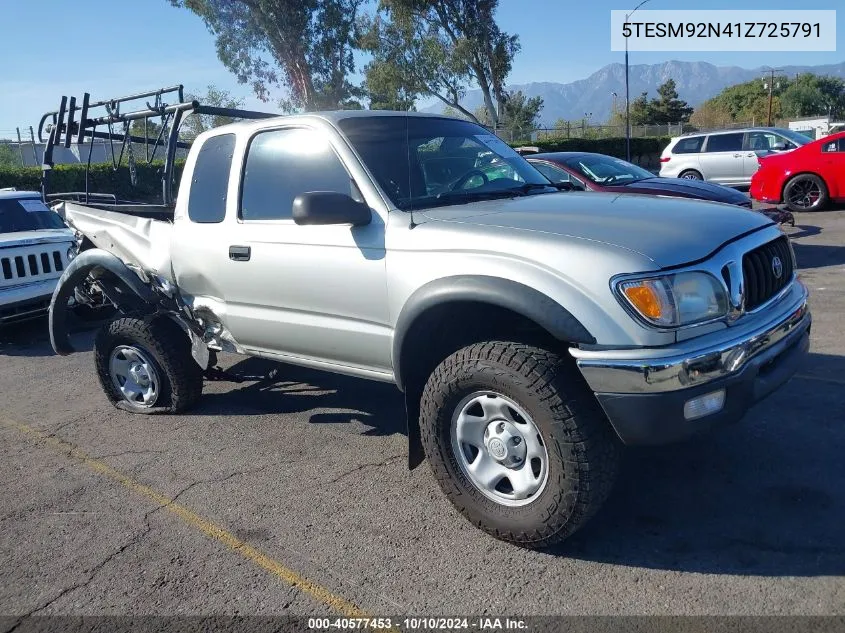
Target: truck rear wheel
146 366
517 442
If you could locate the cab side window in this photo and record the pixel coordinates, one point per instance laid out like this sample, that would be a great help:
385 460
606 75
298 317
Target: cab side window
210 180
283 164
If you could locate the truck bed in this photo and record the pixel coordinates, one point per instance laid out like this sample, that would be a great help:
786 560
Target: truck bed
136 233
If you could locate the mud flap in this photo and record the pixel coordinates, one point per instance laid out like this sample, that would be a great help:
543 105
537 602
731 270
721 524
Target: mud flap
199 350
416 454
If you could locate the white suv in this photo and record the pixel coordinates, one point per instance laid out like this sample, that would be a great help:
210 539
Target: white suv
35 247
728 157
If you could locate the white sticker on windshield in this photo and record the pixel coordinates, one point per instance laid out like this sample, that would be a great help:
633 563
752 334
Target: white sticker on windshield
496 144
33 205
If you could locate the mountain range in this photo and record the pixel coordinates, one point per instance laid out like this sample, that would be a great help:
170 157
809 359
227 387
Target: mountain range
593 96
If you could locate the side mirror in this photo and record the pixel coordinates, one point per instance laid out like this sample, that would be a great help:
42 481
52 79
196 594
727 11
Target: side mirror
779 146
329 207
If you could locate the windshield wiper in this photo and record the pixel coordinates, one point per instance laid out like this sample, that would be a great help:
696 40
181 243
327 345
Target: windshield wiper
463 196
560 186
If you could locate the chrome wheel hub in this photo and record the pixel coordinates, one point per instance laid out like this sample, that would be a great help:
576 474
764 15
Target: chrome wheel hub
505 443
499 448
134 375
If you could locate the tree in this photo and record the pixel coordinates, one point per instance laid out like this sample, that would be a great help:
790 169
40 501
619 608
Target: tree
8 156
814 95
521 113
436 48
748 101
388 89
309 44
640 110
196 124
151 132
668 108
710 115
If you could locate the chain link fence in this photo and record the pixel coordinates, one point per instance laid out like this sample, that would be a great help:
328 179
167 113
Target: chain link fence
583 129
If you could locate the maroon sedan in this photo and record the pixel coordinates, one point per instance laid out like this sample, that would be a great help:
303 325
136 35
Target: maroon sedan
597 172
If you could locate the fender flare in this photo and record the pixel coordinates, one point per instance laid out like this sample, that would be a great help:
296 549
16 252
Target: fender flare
79 268
503 293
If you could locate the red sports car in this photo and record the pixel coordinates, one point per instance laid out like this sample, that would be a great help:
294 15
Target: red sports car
805 179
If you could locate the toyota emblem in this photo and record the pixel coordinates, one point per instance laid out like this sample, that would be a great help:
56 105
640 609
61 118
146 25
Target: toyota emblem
777 267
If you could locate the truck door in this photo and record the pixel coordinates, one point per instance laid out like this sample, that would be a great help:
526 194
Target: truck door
306 293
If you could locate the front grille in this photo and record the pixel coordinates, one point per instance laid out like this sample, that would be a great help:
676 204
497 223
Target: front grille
31 266
759 271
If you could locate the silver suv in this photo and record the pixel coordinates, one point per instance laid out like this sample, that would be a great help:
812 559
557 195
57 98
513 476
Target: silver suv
728 157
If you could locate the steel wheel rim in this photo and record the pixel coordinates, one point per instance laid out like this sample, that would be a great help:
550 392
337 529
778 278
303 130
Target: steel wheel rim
805 193
134 375
499 448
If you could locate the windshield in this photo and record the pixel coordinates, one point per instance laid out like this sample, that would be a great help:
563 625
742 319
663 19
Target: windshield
421 161
795 137
607 170
27 214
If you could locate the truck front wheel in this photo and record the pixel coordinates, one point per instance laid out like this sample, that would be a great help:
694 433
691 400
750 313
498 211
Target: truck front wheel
517 442
146 366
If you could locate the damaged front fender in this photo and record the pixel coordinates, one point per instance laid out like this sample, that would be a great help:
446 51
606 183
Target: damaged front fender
97 263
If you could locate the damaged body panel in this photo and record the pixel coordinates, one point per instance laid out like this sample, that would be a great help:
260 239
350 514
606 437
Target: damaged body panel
131 264
144 242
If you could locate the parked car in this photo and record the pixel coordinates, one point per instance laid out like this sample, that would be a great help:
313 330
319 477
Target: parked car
532 331
727 157
806 179
597 172
35 248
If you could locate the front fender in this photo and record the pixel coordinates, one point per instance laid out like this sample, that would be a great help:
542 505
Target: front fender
95 261
503 293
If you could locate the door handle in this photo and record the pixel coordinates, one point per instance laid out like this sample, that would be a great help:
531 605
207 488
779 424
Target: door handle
239 253
737 155
751 155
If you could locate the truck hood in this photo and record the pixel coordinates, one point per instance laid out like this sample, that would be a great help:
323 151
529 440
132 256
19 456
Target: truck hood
32 238
668 231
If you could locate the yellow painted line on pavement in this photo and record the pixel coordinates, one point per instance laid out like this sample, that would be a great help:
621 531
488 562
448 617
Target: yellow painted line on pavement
205 526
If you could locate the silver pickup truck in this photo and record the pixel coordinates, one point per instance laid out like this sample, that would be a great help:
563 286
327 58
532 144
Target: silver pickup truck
533 331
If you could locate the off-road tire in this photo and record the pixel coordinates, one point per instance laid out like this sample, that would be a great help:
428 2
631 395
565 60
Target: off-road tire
168 348
820 203
582 448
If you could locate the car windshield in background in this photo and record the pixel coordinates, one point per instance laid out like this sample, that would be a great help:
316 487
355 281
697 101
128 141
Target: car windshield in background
427 161
795 137
27 214
606 170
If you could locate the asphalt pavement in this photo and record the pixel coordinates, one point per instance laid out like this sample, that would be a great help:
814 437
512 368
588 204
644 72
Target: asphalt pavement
292 496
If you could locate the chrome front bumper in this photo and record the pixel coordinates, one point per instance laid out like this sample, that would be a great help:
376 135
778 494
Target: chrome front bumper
645 393
613 373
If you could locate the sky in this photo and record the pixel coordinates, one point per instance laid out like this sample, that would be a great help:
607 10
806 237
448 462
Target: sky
115 47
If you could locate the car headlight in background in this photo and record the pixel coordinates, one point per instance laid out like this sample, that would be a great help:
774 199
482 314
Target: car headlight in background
675 300
71 253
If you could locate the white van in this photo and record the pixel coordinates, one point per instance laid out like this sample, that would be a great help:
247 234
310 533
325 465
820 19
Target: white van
727 157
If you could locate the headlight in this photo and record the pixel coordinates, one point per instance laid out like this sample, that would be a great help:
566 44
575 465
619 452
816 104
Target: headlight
675 300
71 253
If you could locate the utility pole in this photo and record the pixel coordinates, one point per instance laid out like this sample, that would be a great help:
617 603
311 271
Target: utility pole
627 90
771 72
